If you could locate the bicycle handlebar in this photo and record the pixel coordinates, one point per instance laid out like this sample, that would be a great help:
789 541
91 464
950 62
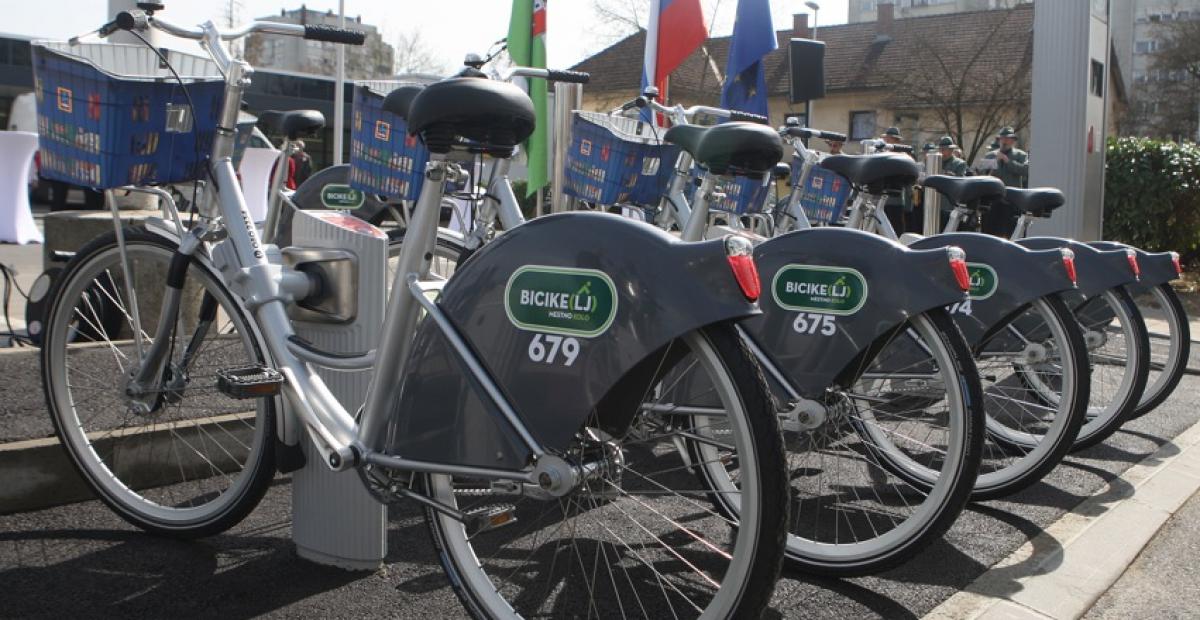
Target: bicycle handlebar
331 34
140 20
688 114
553 75
805 132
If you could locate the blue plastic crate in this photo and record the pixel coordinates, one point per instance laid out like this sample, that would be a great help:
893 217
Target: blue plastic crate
617 160
824 194
109 115
384 159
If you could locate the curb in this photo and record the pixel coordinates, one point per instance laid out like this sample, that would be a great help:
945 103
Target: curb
39 474
1064 570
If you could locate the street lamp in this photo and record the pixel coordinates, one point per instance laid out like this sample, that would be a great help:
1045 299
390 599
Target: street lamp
808 104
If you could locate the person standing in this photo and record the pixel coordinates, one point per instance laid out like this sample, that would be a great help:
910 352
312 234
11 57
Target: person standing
835 146
303 162
899 209
952 165
1011 165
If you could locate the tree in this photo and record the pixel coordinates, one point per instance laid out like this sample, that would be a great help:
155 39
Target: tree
620 18
969 95
1169 105
414 56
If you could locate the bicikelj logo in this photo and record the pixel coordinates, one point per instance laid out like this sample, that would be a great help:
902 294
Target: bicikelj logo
984 281
561 300
818 288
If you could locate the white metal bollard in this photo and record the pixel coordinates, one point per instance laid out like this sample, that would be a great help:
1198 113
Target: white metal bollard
932 201
334 520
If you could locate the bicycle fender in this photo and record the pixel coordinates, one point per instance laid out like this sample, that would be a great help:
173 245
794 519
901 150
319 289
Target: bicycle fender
1098 270
828 293
1005 277
1156 267
603 292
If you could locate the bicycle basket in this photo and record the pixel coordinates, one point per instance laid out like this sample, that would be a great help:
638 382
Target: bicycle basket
740 195
617 160
384 159
110 115
824 194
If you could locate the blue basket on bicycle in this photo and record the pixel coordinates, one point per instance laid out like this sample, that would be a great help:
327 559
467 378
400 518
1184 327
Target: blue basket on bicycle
617 160
112 115
824 194
384 159
741 195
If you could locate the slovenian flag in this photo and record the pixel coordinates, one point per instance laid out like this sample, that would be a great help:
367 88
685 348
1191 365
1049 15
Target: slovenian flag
676 29
745 86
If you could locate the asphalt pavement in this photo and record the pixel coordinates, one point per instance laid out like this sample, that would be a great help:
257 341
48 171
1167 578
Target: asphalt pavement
81 560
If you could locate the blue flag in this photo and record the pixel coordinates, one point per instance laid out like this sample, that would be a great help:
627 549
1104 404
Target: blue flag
745 85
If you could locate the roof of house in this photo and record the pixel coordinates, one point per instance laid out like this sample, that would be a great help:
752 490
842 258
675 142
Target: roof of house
856 56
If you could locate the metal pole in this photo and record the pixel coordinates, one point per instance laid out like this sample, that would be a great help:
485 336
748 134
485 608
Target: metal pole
808 104
339 91
567 97
933 200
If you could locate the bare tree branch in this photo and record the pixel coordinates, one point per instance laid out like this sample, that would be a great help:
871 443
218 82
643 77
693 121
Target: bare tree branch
413 55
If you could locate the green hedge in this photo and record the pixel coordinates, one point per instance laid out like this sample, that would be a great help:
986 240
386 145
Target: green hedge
1152 195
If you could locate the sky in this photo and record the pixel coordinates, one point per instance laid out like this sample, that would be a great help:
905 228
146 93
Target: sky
449 28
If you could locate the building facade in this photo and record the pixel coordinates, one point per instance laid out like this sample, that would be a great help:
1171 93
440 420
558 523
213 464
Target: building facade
373 60
889 72
1160 104
867 10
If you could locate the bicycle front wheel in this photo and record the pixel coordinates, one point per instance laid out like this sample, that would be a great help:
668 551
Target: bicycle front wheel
639 539
182 459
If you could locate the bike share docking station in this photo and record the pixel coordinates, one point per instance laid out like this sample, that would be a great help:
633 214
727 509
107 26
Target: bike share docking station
335 521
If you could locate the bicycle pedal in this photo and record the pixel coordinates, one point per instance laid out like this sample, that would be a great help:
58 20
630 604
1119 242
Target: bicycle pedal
249 382
489 518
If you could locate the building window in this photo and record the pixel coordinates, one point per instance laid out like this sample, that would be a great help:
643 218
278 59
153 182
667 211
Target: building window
862 125
1097 82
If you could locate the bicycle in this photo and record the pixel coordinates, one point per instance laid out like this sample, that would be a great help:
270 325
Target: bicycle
515 455
1014 322
1113 328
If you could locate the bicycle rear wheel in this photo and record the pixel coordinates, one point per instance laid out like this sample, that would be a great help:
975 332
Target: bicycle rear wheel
185 460
1170 338
1036 383
893 462
639 539
1119 353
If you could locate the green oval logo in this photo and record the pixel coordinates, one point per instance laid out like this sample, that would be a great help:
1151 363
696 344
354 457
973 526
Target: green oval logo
984 281
814 288
561 300
342 197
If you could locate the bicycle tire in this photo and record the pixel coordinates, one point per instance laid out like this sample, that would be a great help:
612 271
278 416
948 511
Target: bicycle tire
1038 454
171 518
1179 349
762 540
1137 370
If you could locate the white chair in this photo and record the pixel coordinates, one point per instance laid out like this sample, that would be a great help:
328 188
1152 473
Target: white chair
16 158
256 178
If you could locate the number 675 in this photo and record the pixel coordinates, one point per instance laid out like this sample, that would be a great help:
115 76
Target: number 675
809 323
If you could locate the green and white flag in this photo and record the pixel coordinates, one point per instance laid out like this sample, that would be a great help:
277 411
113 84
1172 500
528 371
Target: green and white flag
527 48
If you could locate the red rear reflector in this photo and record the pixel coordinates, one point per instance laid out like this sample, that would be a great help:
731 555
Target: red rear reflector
1131 256
958 264
740 253
1068 258
1178 264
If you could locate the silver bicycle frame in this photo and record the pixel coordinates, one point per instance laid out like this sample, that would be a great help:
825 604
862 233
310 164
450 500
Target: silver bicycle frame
254 270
